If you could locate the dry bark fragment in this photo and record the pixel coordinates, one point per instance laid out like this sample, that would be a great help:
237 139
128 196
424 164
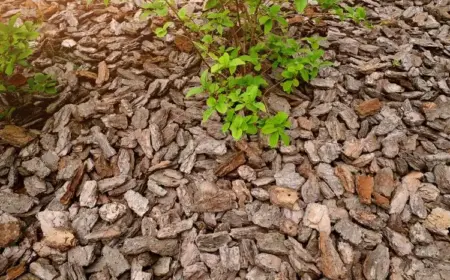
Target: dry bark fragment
364 187
332 265
230 165
16 136
284 197
369 107
73 186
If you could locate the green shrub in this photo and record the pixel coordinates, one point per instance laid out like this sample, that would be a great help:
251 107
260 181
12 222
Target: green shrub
246 40
14 51
15 47
42 83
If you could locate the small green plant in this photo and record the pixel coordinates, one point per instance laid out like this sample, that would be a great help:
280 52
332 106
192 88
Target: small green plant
15 47
247 51
14 51
42 83
396 63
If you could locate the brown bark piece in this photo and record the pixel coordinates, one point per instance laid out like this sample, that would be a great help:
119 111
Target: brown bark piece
231 164
364 187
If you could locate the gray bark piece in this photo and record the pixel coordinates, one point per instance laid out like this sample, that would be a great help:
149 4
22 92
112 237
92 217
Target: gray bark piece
34 185
417 206
189 253
419 235
349 231
350 118
172 230
118 121
141 244
376 265
47 252
115 261
109 184
211 242
288 177
399 199
326 173
156 136
50 159
310 190
49 220
210 146
256 273
268 262
110 212
267 216
43 270
317 217
88 196
298 250
36 166
143 137
442 174
187 157
103 143
15 203
162 266
155 188
311 151
84 222
137 202
140 118
166 247
272 242
326 83
329 152
230 258
398 242
82 256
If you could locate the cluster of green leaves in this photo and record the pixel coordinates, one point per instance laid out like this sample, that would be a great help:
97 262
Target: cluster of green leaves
42 83
15 47
243 40
14 51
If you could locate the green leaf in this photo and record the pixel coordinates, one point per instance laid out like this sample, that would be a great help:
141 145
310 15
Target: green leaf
211 4
274 10
305 75
300 5
215 68
237 62
268 26
239 107
285 138
236 133
194 91
204 78
225 127
268 129
207 114
182 13
287 86
207 39
260 106
221 107
273 140
262 20
211 102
